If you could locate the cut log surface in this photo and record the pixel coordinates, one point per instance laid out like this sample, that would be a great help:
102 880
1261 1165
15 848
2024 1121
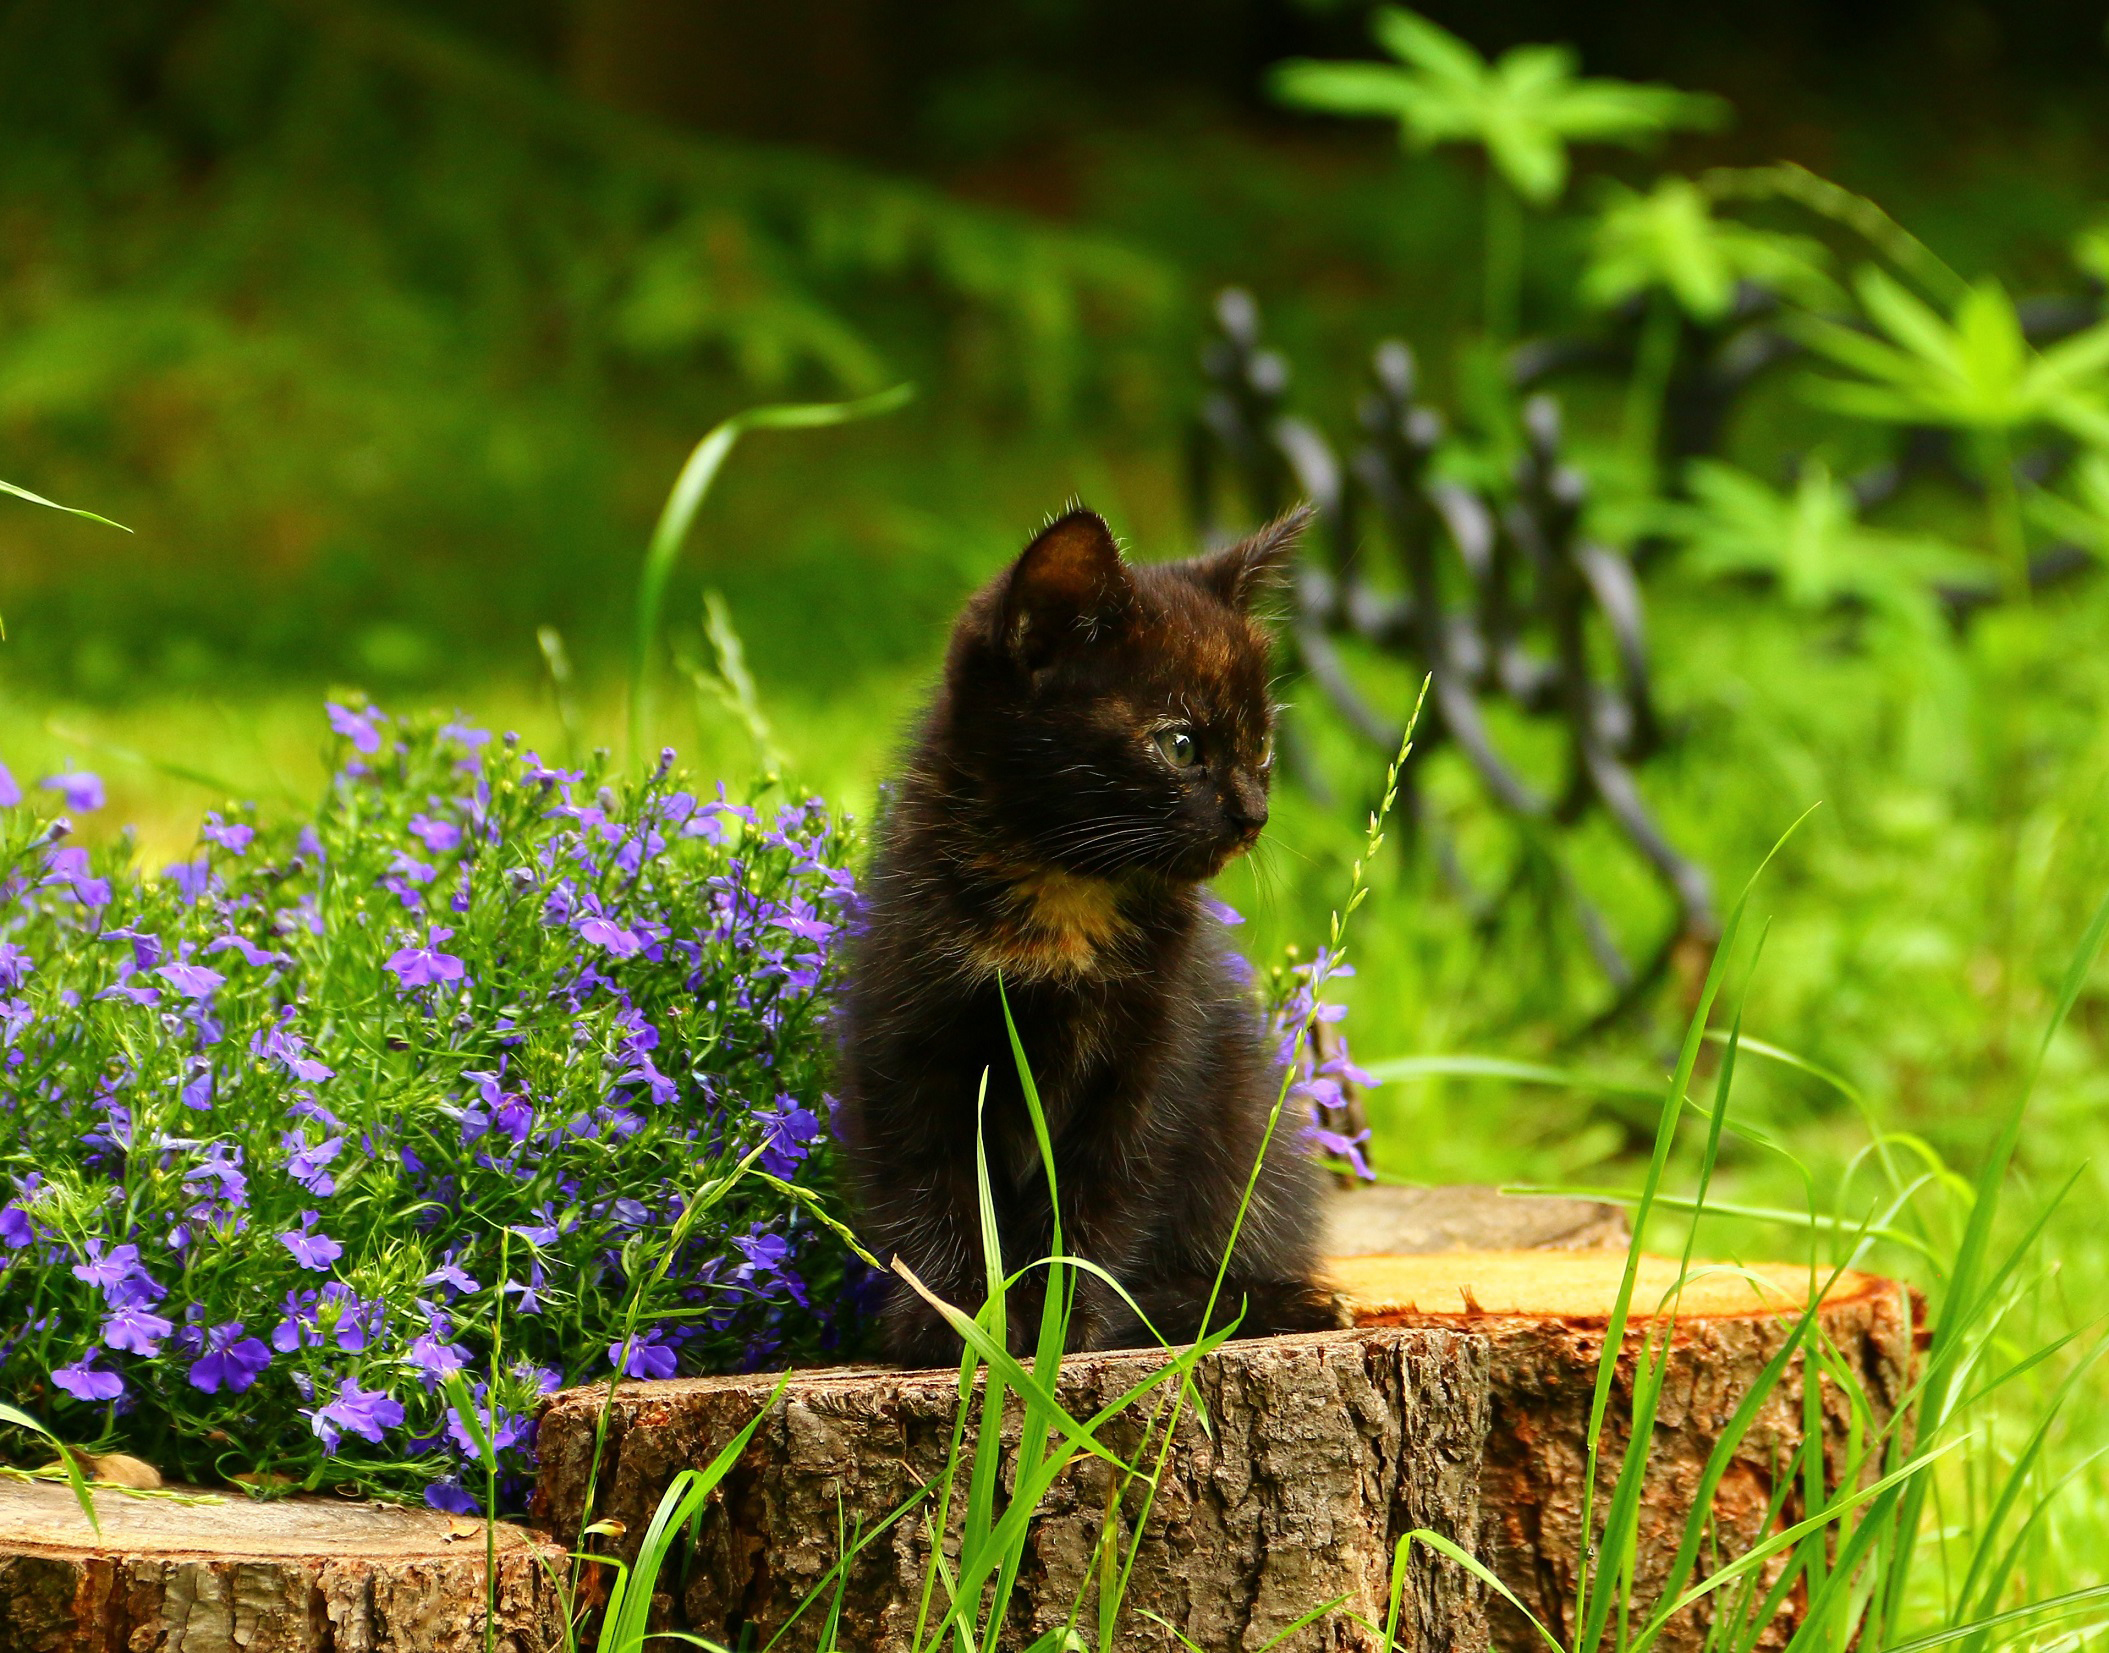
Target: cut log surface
1545 1314
227 1574
1381 1219
1324 1449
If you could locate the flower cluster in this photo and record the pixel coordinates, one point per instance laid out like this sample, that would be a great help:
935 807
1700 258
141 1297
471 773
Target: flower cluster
491 1067
1310 1044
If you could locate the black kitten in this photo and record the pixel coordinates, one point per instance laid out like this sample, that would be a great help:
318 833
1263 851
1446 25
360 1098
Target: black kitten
1101 744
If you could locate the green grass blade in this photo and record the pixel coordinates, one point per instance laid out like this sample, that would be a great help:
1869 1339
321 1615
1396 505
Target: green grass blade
52 504
686 499
1953 1325
1658 1161
1000 1359
74 1479
685 1495
1478 1569
2016 1478
1621 1520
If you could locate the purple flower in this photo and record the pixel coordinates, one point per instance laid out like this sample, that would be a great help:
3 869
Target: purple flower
83 1382
424 966
193 981
514 1116
791 1128
1220 910
307 1166
15 966
193 878
451 1497
605 932
433 1354
251 953
312 1250
357 727
436 835
451 1275
108 1269
367 1413
16 1232
10 788
234 837
645 1357
136 1329
82 791
231 1361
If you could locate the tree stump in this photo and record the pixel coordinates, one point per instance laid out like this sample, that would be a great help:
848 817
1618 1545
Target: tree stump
1545 1314
227 1574
1384 1219
1325 1449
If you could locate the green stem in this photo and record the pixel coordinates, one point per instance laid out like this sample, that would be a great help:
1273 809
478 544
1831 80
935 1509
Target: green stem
2003 502
1653 363
1504 258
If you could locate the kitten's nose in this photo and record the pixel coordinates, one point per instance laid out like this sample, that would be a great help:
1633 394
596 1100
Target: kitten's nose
1246 806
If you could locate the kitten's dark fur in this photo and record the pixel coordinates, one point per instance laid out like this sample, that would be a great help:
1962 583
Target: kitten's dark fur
1051 825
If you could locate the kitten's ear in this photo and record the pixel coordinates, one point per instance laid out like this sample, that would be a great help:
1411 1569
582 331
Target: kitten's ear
1067 588
1240 572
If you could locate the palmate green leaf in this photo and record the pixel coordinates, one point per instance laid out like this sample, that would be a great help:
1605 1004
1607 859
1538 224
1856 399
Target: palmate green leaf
1413 39
1974 370
1524 110
1811 542
1346 88
1669 238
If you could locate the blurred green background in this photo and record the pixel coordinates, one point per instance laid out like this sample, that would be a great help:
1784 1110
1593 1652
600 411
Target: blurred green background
385 328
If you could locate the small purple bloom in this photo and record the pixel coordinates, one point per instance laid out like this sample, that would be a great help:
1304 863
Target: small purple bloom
231 1361
193 878
251 953
357 727
15 966
647 1357
605 932
311 1249
436 835
367 1413
432 1353
308 1166
193 981
234 837
454 1277
10 788
82 791
136 1330
424 966
83 1382
451 1497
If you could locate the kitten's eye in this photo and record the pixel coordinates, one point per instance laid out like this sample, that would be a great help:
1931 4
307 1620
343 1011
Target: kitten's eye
1179 748
1266 749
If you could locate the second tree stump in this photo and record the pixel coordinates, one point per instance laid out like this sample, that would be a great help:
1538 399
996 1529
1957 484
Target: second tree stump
1545 1314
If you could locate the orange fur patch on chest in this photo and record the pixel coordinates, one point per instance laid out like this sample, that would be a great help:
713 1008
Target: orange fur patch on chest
1055 923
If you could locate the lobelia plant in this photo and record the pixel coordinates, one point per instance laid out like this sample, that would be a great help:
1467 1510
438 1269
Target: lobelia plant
486 1056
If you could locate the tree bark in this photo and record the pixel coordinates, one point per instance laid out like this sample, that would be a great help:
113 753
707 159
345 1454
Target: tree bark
1546 1314
227 1574
1325 1449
